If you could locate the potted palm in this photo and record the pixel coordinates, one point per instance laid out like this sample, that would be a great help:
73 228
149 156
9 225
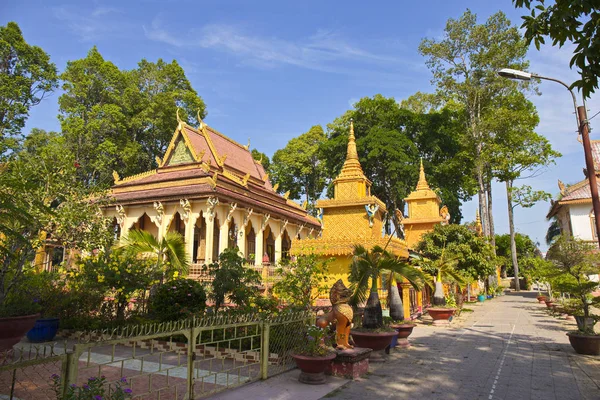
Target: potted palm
366 270
444 271
314 355
574 261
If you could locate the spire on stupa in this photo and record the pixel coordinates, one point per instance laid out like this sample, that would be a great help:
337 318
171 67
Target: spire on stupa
351 166
422 184
478 227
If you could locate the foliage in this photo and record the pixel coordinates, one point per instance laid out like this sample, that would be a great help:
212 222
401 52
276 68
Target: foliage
118 274
473 254
26 76
178 299
370 266
553 231
24 301
122 120
316 344
390 140
232 281
263 159
41 199
444 270
464 64
94 389
299 168
168 253
575 260
525 247
302 281
574 21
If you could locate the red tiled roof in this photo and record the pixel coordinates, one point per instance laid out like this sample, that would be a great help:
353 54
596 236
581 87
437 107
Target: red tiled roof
579 191
238 157
200 144
164 174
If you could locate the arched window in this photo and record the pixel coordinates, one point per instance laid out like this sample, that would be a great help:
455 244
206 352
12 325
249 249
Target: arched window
593 223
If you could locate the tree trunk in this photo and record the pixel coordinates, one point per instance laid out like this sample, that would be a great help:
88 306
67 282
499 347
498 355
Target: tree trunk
511 226
396 306
438 295
491 216
373 317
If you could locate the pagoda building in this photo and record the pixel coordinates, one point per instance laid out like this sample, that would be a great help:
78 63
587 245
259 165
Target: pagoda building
352 217
210 189
423 211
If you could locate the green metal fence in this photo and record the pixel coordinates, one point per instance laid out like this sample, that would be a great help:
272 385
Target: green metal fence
181 360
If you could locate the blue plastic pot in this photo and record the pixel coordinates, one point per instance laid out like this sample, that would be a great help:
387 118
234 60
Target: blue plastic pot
481 298
394 341
44 330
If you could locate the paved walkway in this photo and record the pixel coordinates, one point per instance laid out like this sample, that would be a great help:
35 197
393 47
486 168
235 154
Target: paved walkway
508 348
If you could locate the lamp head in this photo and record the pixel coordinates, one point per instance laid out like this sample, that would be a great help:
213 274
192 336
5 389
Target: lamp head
514 74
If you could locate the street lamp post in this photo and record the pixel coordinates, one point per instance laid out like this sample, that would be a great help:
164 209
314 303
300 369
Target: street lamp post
582 128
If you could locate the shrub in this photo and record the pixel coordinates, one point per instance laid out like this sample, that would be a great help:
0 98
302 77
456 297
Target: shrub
178 299
302 281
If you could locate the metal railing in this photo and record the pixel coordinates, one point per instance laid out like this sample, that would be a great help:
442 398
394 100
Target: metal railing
268 273
187 359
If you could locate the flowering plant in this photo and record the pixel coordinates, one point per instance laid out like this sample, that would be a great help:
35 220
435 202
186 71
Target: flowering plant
94 389
178 299
316 343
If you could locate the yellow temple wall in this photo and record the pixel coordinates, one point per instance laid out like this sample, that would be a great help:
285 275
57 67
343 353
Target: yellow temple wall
345 223
414 233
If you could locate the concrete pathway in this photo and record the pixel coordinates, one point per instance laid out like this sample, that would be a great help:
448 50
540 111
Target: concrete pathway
507 348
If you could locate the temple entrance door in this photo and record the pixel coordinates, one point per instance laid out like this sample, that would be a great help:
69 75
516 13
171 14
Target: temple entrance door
286 244
250 244
232 235
269 245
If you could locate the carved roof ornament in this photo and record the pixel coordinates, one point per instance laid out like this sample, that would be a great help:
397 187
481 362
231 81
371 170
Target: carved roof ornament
264 222
478 227
320 215
286 195
304 204
200 122
422 184
247 217
247 147
160 211
399 221
158 161
120 215
285 223
245 179
178 117
232 208
261 157
211 203
187 209
116 177
371 211
265 177
445 214
275 187
562 187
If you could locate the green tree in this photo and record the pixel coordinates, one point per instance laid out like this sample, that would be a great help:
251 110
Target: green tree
302 281
517 152
299 168
390 141
526 248
474 254
464 64
168 253
26 76
574 21
122 120
369 266
444 270
263 159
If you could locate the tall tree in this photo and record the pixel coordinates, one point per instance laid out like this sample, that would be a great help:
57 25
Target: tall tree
122 120
464 64
526 248
299 168
390 141
517 152
575 21
263 159
26 76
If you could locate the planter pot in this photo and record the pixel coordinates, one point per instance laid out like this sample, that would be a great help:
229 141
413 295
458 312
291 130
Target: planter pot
541 298
313 368
548 303
585 344
12 329
404 331
377 342
489 296
394 342
44 330
481 298
441 316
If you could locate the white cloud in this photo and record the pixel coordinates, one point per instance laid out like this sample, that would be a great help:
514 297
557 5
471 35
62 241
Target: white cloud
92 25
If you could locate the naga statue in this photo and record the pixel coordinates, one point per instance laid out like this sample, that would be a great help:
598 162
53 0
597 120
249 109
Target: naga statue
341 312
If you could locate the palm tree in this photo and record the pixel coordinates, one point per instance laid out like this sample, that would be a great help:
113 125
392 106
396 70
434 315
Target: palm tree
444 270
371 265
169 252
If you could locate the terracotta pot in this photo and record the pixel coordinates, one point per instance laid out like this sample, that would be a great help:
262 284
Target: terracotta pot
371 340
441 316
404 331
548 303
585 344
12 329
313 368
541 298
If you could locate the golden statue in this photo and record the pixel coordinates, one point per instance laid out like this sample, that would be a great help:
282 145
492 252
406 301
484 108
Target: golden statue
341 312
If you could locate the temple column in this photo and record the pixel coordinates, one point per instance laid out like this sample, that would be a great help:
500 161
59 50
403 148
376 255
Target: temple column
420 301
406 299
241 240
278 241
223 235
210 226
260 249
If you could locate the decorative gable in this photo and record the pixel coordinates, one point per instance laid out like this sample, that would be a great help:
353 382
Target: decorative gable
180 155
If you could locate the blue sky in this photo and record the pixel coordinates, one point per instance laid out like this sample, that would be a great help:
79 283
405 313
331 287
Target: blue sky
269 70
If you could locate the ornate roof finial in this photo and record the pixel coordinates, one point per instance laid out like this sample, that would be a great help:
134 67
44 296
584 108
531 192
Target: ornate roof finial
422 184
200 122
178 117
352 153
351 167
247 147
478 227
